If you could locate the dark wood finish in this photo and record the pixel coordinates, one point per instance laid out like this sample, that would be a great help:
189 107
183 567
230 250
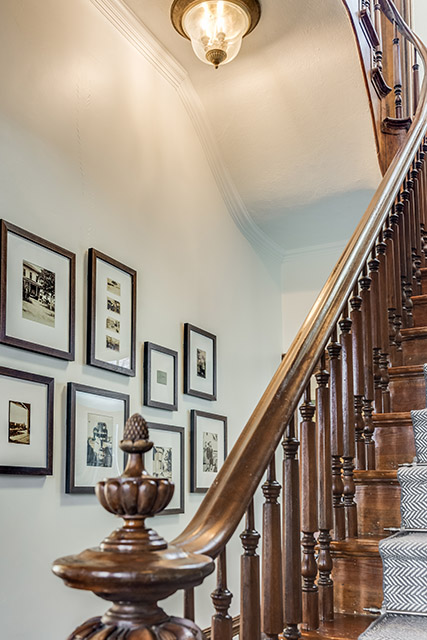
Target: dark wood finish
407 387
250 619
383 323
189 604
376 330
369 28
394 440
272 587
349 445
49 383
358 385
337 444
72 390
309 513
342 627
148 401
324 563
235 627
194 462
5 338
415 83
378 502
414 342
222 623
405 194
368 375
292 597
94 256
397 283
188 388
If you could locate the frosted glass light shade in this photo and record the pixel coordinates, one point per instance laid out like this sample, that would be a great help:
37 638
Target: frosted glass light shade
216 29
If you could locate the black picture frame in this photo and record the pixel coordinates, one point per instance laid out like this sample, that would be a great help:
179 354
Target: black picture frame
93 321
150 387
35 287
201 478
45 422
178 433
203 384
79 424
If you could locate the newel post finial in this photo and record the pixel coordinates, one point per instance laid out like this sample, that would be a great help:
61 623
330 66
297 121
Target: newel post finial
134 567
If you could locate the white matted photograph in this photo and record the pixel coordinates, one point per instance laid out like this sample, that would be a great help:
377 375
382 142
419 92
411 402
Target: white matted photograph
38 294
208 445
160 377
111 314
95 424
166 460
200 368
26 423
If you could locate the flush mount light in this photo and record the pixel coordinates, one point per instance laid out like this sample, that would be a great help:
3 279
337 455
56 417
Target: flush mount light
215 27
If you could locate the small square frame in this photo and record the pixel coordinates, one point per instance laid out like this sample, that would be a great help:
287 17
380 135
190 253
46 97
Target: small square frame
167 433
82 477
154 394
99 332
200 376
44 422
25 259
200 478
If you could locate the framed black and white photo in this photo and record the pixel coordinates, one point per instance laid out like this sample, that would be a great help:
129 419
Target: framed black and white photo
95 423
111 314
199 362
26 423
160 377
208 445
166 460
37 294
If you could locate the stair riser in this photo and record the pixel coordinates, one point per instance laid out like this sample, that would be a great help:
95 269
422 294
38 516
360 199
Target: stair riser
378 507
407 393
415 350
393 446
357 583
420 313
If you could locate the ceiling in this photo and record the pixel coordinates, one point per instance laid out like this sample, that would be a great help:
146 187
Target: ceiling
290 117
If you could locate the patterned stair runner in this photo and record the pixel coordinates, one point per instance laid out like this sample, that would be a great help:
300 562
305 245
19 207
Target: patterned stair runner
404 555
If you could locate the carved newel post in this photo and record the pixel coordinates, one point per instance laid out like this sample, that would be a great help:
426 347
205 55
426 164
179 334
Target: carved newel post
134 567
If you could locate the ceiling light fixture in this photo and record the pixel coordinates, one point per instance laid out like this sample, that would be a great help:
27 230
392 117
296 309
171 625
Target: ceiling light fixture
215 27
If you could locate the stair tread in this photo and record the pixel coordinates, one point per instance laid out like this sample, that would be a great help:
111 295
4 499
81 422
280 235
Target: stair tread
421 297
407 369
396 418
343 627
398 627
413 332
375 475
367 546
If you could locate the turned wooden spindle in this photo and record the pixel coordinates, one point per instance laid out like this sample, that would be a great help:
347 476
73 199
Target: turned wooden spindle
403 243
368 374
189 604
417 224
250 618
335 398
397 74
292 597
409 267
378 56
309 513
357 347
395 225
383 322
272 605
222 622
391 289
423 205
134 567
376 333
349 445
415 82
412 230
325 584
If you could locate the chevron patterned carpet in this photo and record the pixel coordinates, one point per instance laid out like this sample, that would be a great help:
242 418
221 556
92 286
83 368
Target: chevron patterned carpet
404 555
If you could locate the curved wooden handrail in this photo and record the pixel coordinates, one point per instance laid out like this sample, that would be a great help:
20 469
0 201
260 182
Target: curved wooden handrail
226 501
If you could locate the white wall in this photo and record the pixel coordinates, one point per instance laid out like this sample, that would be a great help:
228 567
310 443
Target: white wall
97 150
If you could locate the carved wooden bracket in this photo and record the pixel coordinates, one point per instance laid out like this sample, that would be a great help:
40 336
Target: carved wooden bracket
134 567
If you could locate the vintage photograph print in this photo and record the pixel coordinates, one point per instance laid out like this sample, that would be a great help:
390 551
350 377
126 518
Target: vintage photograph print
160 377
208 445
26 423
200 369
95 423
37 301
166 460
111 314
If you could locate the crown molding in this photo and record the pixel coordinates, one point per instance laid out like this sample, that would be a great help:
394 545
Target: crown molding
319 249
131 27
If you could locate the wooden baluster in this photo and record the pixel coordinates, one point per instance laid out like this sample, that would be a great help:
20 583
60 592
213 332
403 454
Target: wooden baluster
357 347
325 584
222 622
415 82
292 597
400 210
189 604
335 397
368 375
391 289
417 225
412 230
272 607
309 513
424 199
376 333
250 619
378 58
395 225
405 194
348 425
397 69
423 202
383 322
